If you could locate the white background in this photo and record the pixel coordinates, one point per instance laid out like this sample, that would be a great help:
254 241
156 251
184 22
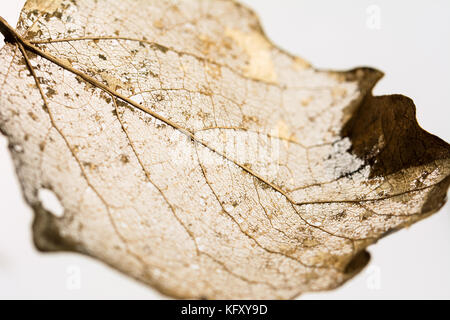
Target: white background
412 46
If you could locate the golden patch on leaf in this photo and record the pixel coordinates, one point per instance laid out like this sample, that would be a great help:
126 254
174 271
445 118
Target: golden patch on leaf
260 65
226 176
43 6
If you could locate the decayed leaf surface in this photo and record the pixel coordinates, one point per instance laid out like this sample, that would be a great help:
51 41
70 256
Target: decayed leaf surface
192 154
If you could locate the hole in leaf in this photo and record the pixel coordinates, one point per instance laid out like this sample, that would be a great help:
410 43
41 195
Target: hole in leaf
50 202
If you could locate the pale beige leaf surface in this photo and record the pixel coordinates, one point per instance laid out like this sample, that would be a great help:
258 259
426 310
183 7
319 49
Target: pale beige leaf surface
192 154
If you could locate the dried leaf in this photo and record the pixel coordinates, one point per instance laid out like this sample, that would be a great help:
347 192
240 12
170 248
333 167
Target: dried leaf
190 153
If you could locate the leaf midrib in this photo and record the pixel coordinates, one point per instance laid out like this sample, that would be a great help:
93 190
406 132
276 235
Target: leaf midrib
9 33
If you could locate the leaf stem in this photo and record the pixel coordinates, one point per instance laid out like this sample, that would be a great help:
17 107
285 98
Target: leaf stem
8 32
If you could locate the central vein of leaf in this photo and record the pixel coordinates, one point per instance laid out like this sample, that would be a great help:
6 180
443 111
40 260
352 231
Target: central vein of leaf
12 36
